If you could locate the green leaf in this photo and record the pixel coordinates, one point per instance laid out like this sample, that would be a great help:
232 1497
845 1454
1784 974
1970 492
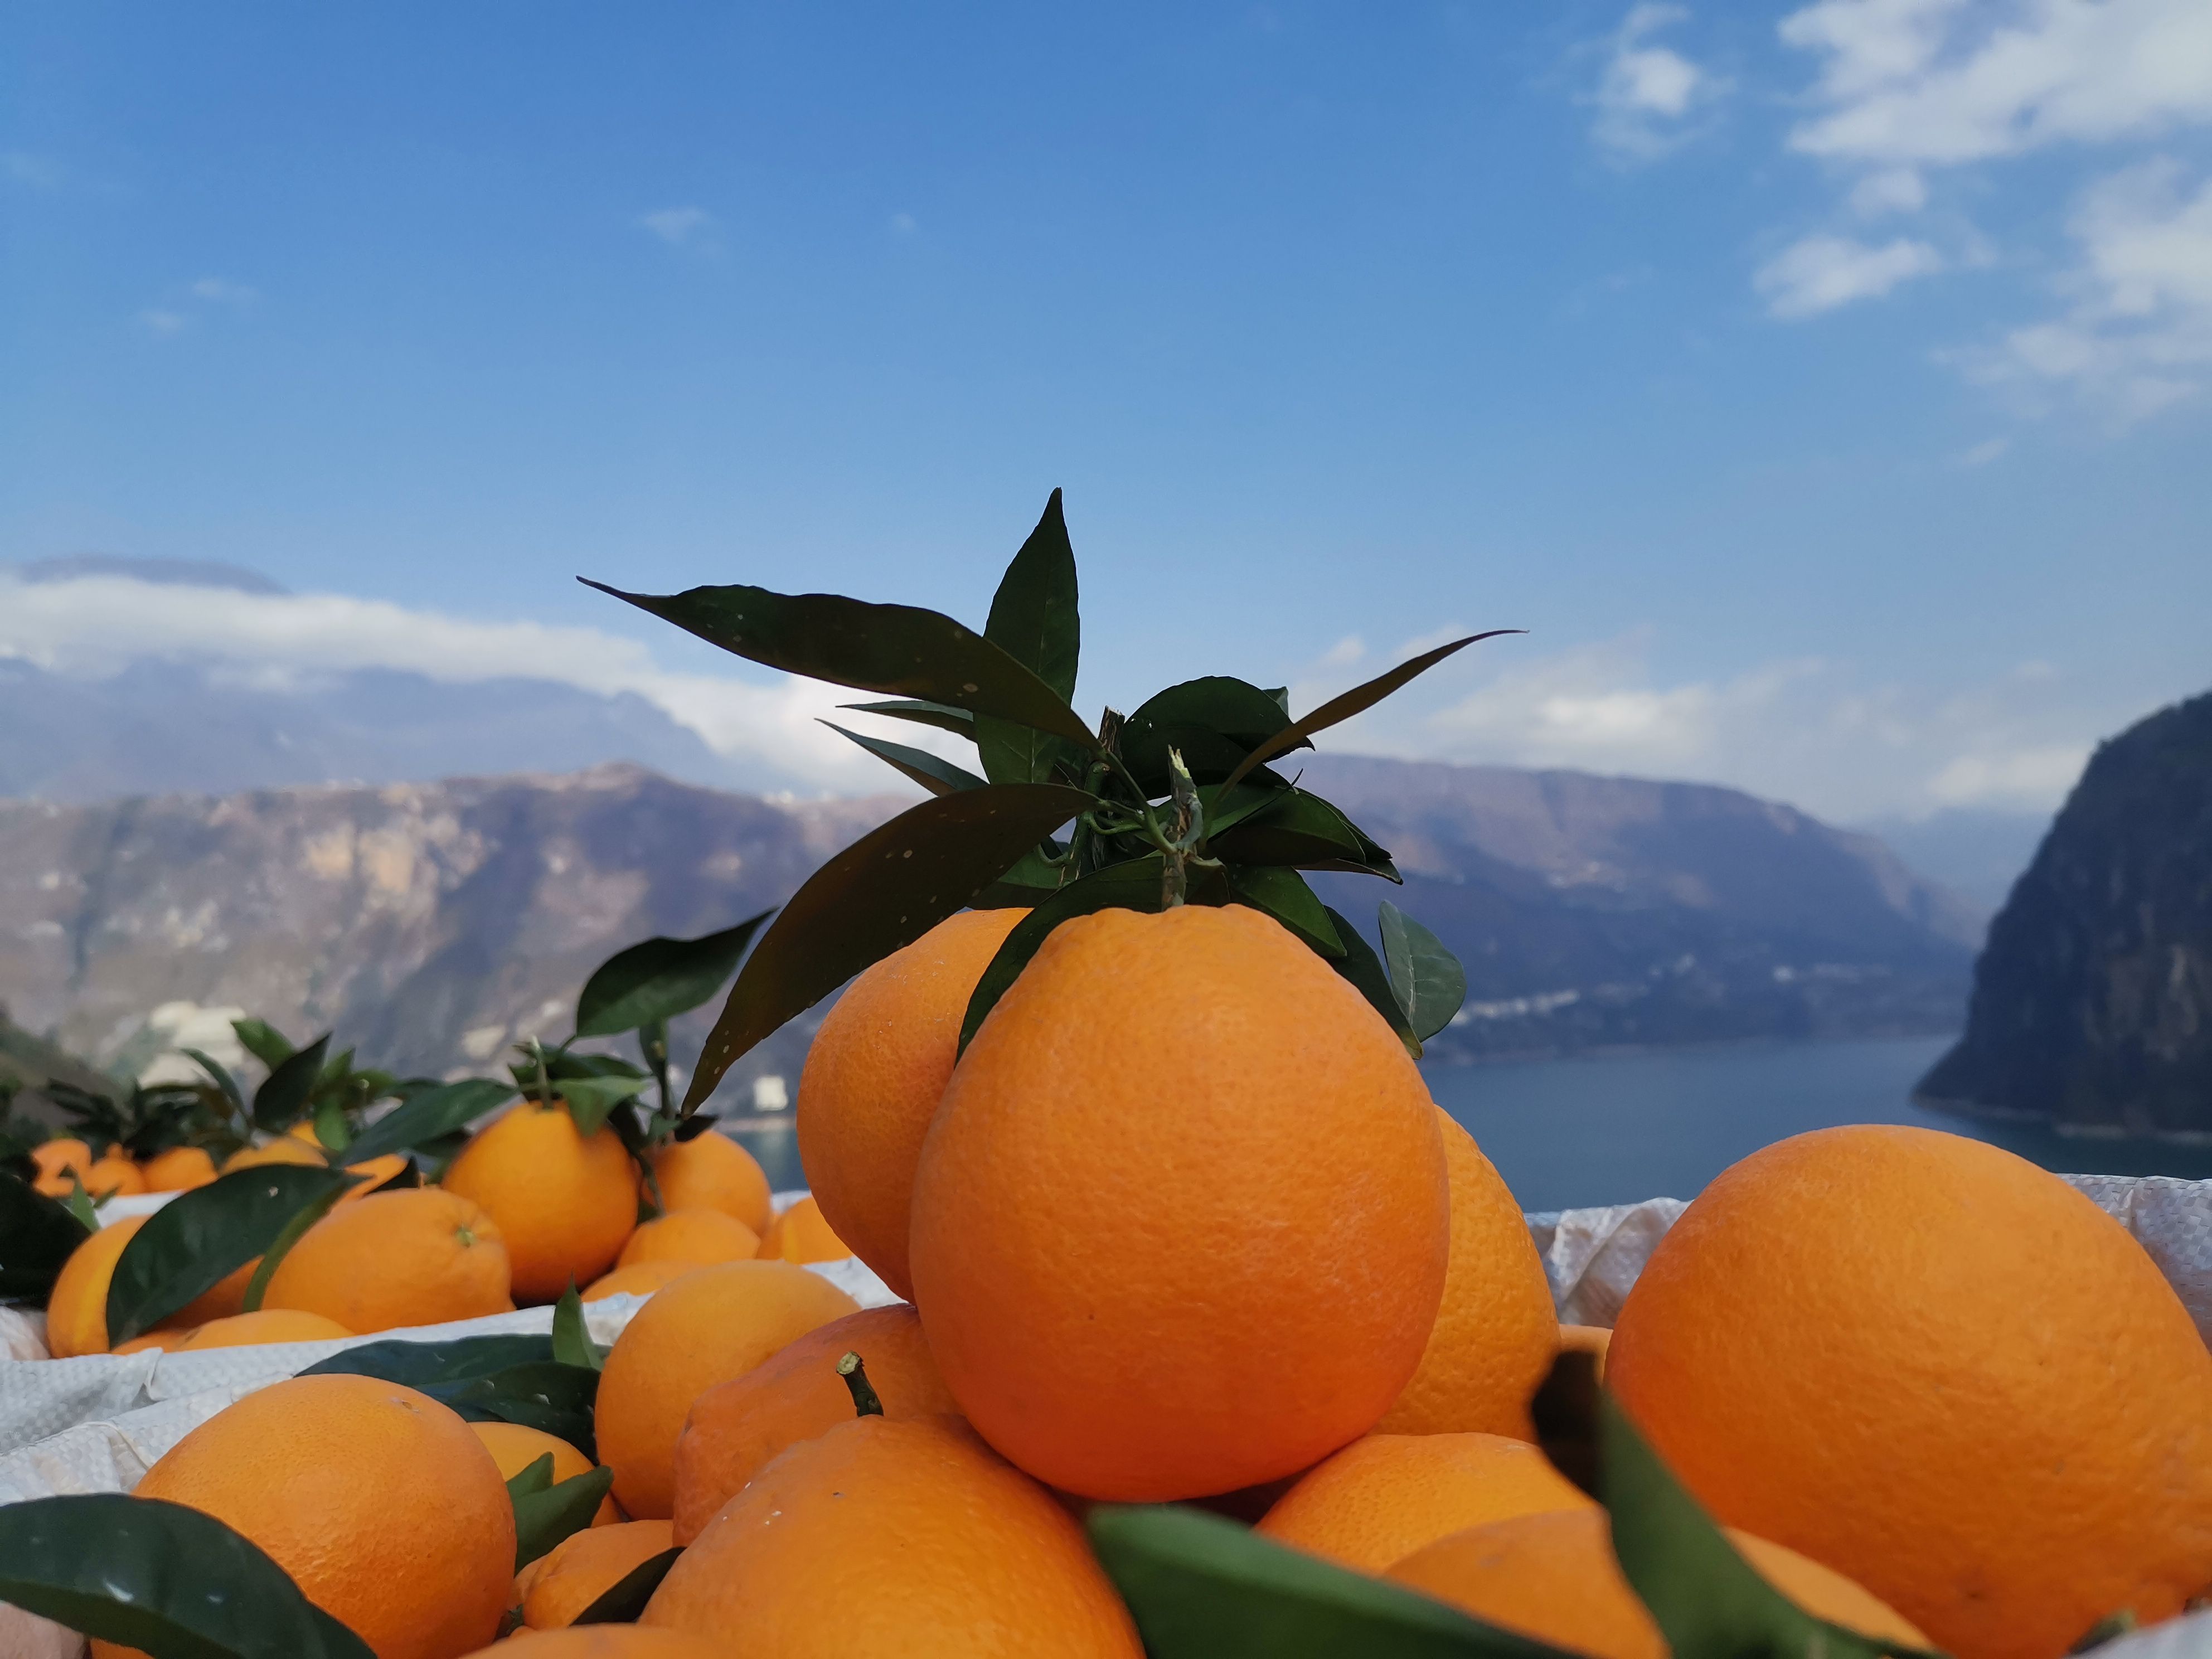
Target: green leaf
1200 1587
1131 884
622 1601
426 1365
331 1130
531 1478
220 1072
1363 968
80 1206
164 1579
264 1042
543 1518
897 649
590 1099
294 1229
1359 699
498 1379
880 894
1033 617
1706 1598
281 1099
1303 831
572 1339
660 979
1284 895
1213 722
38 1234
943 716
938 776
201 1238
438 1110
1426 977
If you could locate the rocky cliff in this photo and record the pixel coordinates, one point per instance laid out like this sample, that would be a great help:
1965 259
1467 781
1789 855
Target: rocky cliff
2092 1006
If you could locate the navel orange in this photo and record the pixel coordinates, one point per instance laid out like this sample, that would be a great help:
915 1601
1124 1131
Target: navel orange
736 1427
247 1330
179 1170
564 1201
641 1279
695 1236
417 1256
872 1079
113 1174
585 1565
712 1172
1181 1221
515 1448
802 1234
1387 1495
712 1324
885 1537
285 1149
58 1159
1592 1339
1932 1366
77 1308
602 1642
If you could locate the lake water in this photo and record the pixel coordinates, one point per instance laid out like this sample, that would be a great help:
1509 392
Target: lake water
1612 1130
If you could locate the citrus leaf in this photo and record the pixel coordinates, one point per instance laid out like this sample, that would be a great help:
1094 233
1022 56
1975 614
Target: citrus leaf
294 1229
590 1099
899 650
659 978
331 1130
1131 884
80 1206
571 1339
623 1600
1360 698
220 1072
1705 1597
282 1099
1426 977
1284 895
943 716
426 1365
264 1042
38 1234
1200 1587
1363 968
487 1379
882 892
531 1478
933 773
1213 722
201 1238
543 1518
167 1580
435 1111
1300 829
1033 617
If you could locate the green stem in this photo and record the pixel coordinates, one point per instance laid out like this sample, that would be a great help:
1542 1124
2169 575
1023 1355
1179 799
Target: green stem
866 1403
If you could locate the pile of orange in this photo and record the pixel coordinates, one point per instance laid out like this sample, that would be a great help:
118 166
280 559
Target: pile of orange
1183 1224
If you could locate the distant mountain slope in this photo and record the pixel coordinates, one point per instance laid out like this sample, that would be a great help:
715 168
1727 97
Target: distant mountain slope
2093 1003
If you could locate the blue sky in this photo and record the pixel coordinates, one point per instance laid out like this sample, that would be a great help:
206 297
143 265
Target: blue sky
1823 385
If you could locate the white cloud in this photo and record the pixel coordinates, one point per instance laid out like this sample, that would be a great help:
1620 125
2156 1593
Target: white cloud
677 226
1819 273
1983 453
2024 780
904 223
1892 190
1647 93
160 323
219 290
1344 652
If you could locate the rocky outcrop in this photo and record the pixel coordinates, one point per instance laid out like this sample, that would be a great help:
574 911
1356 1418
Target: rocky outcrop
2091 1005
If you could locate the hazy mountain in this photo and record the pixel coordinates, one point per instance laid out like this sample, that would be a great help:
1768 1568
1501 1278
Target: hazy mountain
1976 852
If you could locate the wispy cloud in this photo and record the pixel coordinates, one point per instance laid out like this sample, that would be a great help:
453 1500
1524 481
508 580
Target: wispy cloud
1983 453
678 226
161 323
1646 93
221 290
1819 273
19 166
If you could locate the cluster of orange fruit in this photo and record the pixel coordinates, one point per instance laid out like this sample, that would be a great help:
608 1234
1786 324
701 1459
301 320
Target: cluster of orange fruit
1182 1224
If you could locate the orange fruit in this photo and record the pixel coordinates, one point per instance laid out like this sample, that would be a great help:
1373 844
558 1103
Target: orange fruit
736 1427
282 1150
602 1642
583 1566
698 1237
712 1324
565 1201
56 1160
113 1174
417 1256
1552 1576
224 1299
872 1079
711 1171
179 1170
1592 1339
642 1279
801 1234
77 1308
883 1537
167 1340
1384 1496
1126 1276
270 1325
514 1448
383 1507
2024 1443
1496 1332
377 1173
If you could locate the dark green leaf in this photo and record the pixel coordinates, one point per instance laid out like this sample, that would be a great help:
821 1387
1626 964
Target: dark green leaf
1363 968
201 1238
1705 1597
220 1072
264 1042
1213 722
1284 895
282 1099
429 1364
1200 1587
1133 885
531 1478
80 1206
543 1519
589 1099
938 776
167 1580
880 894
294 1229
38 1234
505 1379
659 978
435 1111
943 716
332 1130
1303 831
572 1339
1034 618
1359 699
1427 978
897 649
623 1600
